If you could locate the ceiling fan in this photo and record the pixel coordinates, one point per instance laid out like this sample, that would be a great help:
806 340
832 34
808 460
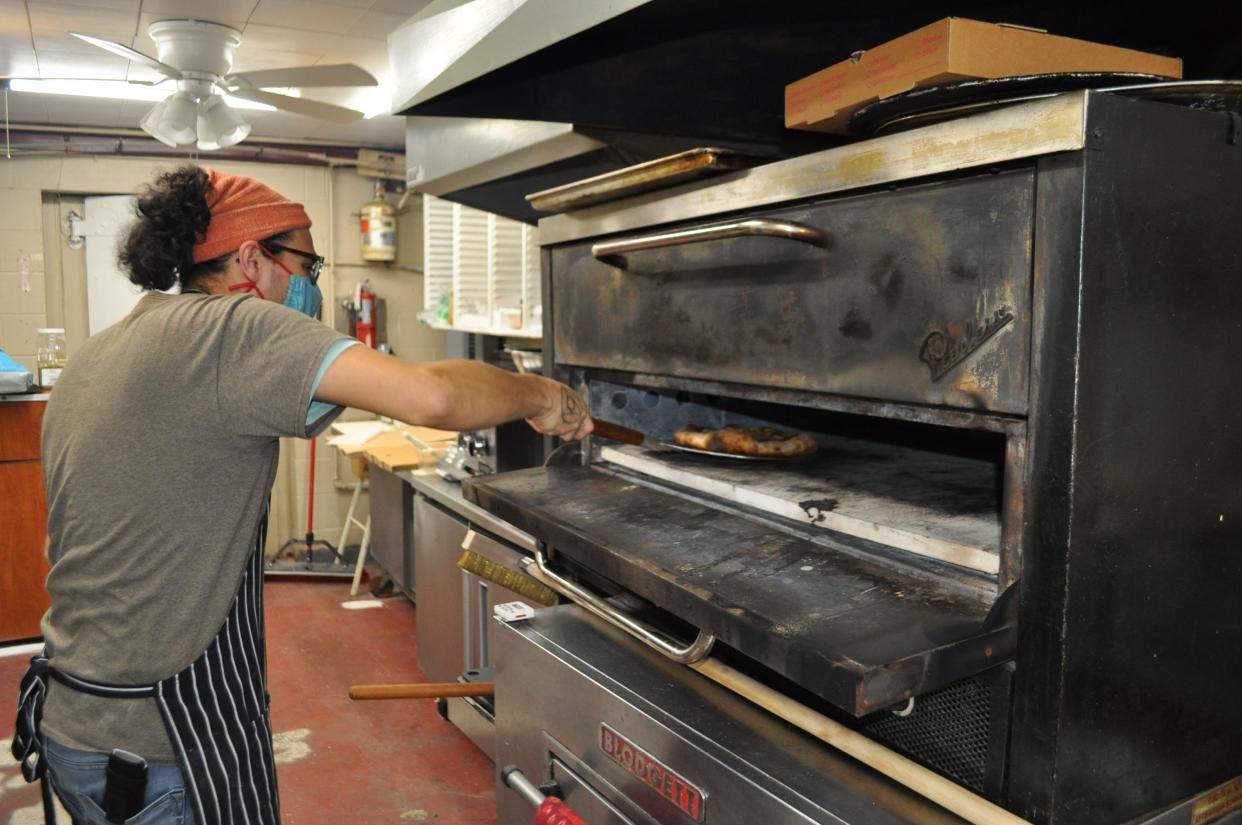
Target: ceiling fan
198 56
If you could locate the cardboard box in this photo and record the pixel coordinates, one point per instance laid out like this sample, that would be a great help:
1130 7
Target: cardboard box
946 51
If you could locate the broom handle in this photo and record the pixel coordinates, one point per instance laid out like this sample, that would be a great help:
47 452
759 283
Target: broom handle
432 690
310 504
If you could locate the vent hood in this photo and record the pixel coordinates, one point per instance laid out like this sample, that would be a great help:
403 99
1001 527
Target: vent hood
588 86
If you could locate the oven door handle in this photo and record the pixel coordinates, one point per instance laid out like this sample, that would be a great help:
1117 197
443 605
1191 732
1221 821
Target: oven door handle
665 644
761 227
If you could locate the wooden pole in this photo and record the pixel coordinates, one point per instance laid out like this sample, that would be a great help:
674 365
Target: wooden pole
432 690
948 795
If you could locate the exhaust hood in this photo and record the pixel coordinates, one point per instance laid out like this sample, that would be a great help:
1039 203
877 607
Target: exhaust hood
567 89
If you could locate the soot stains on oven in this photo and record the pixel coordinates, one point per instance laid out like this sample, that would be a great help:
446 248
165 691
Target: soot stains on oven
887 277
855 325
961 272
817 509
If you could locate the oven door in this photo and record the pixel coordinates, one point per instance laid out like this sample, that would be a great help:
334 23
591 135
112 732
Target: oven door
818 610
920 295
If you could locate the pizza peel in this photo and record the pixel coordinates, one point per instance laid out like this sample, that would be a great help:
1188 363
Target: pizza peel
625 435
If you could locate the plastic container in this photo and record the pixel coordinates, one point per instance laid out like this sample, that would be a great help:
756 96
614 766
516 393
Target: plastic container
51 356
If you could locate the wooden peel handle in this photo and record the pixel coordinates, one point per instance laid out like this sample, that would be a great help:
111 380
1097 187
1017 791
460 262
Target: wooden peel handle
431 690
615 432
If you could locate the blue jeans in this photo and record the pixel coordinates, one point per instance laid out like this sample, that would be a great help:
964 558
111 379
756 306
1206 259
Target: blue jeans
78 778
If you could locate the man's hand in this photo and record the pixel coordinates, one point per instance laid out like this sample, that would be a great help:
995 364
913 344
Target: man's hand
564 413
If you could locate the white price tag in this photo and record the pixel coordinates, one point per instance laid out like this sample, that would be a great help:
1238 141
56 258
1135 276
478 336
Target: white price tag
513 611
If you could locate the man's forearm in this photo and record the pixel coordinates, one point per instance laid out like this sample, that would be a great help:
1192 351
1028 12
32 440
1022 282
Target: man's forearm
451 395
476 395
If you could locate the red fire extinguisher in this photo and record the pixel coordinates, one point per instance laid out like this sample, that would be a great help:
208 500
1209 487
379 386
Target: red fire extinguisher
365 328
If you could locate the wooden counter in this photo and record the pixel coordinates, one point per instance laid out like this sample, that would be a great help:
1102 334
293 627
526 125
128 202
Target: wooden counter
23 514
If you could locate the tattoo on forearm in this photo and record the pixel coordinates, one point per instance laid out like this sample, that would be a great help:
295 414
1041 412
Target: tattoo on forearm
572 409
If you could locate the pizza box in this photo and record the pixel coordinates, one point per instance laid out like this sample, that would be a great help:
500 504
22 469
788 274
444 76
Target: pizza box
946 51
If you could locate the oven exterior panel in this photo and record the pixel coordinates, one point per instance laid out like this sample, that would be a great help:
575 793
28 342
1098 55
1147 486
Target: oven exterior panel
565 682
1131 636
921 296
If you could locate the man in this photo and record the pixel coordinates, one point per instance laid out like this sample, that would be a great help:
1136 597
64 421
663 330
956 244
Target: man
160 447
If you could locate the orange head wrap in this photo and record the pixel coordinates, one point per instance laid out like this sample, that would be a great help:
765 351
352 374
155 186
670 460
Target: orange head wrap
242 209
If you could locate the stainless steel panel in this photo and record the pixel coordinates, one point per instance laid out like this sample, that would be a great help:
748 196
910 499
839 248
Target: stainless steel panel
922 296
449 495
392 514
561 675
481 596
450 43
474 720
441 622
587 802
445 154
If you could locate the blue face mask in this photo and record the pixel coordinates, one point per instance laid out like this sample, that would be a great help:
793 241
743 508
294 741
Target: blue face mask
303 296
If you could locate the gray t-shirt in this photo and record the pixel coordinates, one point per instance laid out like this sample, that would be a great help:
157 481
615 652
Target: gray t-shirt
160 446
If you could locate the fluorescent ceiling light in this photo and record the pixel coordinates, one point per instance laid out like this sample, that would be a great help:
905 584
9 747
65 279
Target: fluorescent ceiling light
116 90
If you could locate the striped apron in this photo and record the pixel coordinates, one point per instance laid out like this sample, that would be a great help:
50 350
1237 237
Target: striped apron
215 712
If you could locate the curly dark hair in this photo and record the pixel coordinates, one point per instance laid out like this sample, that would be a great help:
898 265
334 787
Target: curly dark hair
173 217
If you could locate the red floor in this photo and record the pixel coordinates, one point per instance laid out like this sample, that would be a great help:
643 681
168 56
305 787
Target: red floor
363 763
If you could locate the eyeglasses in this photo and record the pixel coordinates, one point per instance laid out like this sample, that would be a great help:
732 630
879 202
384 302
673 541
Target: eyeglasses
317 261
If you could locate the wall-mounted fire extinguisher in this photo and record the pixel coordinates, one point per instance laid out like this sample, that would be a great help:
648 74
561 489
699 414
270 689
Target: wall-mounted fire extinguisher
365 303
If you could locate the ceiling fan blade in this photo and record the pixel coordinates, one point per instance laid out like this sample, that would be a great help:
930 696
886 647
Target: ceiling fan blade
300 106
343 74
130 54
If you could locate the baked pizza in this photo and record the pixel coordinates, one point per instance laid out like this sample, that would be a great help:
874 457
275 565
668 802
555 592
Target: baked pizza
758 441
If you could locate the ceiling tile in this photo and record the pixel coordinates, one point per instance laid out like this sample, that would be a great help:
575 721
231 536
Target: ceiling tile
357 4
117 5
229 12
60 19
281 39
13 19
407 7
374 58
102 65
376 25
254 59
17 62
306 15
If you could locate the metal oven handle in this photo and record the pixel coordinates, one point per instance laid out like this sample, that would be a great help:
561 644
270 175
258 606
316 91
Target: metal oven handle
762 227
670 647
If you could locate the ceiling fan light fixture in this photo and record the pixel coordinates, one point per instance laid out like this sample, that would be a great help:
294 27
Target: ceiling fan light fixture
218 125
172 121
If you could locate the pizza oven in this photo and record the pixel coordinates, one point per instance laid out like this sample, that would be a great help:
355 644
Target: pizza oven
1012 558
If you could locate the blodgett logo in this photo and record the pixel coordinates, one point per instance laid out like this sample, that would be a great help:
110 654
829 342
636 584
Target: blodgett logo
942 353
653 773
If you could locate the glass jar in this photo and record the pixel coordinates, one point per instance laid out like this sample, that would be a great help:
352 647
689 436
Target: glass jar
51 356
